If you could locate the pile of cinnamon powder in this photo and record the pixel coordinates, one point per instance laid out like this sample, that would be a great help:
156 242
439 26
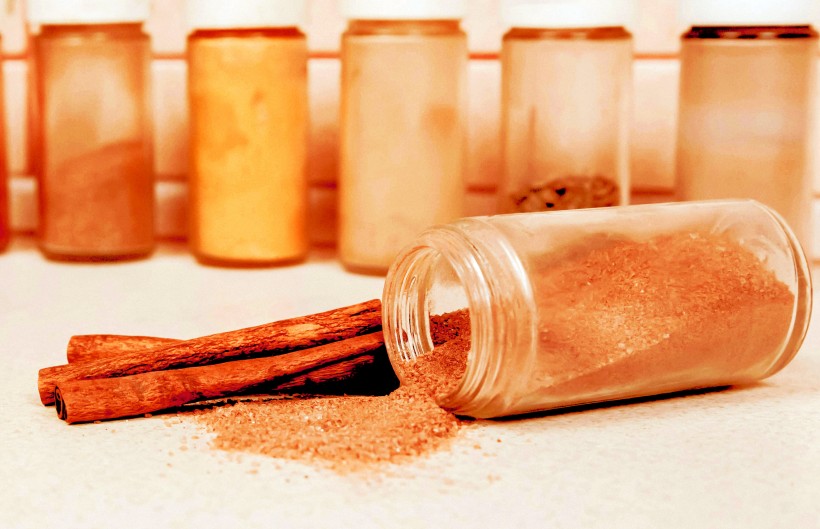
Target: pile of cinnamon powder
354 432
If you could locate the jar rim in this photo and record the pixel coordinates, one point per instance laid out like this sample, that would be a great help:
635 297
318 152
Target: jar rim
500 303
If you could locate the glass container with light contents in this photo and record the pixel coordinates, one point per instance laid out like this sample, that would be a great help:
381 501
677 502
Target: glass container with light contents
577 307
247 81
566 92
747 94
402 125
5 229
94 142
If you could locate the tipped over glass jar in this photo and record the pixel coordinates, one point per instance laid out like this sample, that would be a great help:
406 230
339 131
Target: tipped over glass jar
579 307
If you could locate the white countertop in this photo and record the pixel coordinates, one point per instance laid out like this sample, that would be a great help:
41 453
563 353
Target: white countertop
743 458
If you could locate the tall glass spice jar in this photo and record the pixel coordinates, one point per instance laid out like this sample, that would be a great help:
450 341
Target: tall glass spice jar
402 125
5 229
247 79
92 81
566 92
747 94
578 307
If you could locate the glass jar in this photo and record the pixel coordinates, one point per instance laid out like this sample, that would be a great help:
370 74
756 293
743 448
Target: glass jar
566 93
747 94
92 82
578 307
247 72
402 126
5 228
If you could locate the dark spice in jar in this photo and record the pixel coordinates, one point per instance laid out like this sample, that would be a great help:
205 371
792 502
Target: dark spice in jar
570 192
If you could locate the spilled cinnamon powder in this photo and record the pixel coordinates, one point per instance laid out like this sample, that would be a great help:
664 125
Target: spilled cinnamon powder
349 433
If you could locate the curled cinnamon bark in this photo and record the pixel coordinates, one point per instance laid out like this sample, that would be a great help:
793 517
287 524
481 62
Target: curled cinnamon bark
127 396
264 340
87 347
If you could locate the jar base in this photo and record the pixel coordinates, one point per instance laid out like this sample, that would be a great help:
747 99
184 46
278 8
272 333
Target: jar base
369 270
65 257
223 262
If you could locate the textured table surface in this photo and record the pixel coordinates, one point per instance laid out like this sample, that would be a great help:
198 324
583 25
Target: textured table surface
746 457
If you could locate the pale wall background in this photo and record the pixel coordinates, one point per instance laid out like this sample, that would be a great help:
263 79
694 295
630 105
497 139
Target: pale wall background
656 71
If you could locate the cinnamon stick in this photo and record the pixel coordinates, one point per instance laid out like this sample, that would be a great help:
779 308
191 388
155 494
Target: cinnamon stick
264 340
337 378
364 375
127 396
87 347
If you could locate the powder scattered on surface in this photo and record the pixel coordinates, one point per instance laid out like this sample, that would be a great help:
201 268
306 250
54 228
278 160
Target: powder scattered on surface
344 432
350 433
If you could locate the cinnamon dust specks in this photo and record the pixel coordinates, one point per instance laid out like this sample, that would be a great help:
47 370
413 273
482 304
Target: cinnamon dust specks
353 432
342 431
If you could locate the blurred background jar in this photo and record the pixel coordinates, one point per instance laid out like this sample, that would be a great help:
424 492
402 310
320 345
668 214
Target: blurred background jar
402 125
578 307
95 168
5 228
566 92
746 104
247 79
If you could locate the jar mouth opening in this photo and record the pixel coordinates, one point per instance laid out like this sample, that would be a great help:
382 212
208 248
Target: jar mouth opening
411 329
429 331
467 268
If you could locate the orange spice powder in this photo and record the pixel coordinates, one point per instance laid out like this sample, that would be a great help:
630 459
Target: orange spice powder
249 117
351 433
630 318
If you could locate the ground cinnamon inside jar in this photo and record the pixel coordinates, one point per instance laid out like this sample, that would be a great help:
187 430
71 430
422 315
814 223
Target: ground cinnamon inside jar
96 183
647 316
619 318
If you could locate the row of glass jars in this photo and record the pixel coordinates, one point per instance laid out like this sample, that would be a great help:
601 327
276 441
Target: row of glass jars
746 91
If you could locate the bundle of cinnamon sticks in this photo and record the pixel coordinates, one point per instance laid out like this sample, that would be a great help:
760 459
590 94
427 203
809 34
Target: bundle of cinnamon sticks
110 376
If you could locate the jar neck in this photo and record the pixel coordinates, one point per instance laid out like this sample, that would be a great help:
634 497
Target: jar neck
751 32
127 29
403 27
282 33
608 33
496 291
